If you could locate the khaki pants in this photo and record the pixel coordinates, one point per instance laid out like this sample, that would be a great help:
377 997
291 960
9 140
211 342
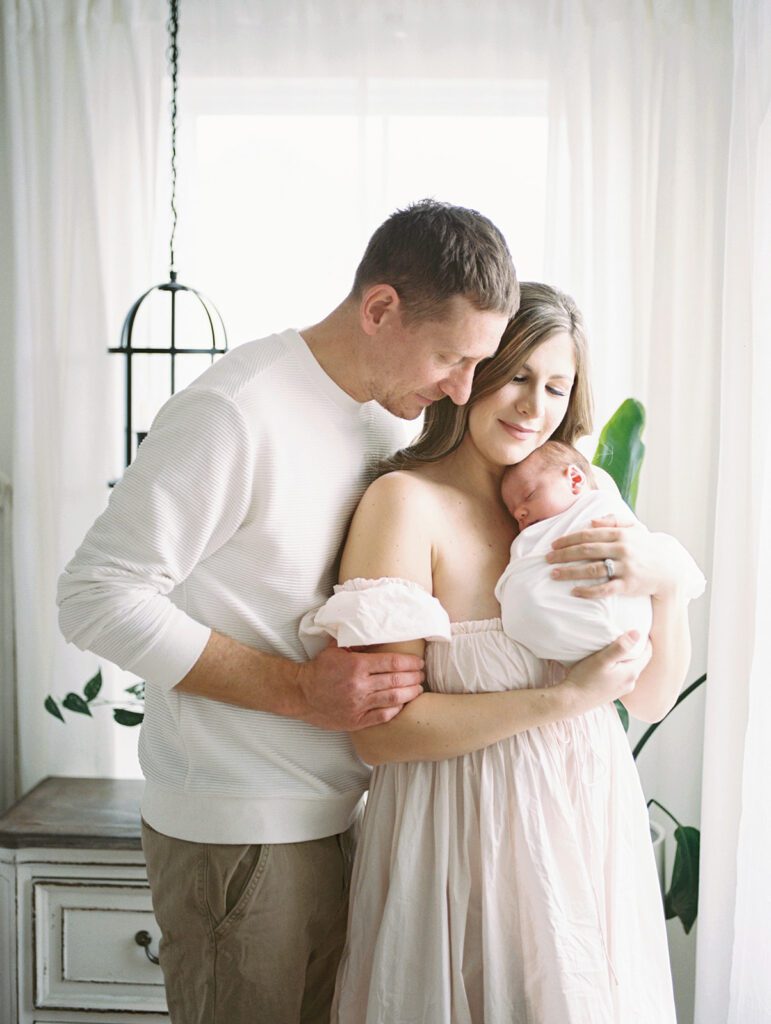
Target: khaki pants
249 934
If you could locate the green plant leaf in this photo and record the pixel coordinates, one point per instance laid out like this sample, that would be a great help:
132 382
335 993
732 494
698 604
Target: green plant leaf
620 449
53 708
137 690
682 900
93 686
75 703
623 714
124 717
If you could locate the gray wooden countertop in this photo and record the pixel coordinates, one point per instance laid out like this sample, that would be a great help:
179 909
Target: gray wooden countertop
76 813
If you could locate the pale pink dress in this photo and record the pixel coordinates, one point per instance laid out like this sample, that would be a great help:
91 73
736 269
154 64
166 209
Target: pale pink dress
513 885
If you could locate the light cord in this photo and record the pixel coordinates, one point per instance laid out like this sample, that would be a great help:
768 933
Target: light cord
172 55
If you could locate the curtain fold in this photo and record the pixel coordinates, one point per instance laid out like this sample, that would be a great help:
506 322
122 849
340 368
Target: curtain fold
83 83
639 99
733 981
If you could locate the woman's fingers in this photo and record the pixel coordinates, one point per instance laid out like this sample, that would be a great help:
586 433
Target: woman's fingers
592 555
597 535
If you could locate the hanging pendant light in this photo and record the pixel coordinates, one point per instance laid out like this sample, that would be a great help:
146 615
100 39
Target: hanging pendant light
214 329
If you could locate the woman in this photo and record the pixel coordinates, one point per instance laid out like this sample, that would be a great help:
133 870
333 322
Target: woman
504 872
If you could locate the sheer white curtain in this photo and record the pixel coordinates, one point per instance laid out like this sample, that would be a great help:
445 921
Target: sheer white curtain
639 104
733 981
83 82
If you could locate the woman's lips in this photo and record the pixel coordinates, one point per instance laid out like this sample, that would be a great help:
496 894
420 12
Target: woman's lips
515 430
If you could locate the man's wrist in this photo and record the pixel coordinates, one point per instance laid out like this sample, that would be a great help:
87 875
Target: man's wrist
293 702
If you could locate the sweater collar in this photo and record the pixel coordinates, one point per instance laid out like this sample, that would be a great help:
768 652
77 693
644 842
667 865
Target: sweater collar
318 375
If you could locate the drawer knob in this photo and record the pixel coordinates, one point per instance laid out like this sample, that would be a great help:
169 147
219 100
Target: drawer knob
144 939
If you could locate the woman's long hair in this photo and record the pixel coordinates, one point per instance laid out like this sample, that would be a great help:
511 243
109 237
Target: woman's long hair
543 311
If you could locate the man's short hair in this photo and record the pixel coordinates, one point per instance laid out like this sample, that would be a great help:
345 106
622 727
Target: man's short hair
432 251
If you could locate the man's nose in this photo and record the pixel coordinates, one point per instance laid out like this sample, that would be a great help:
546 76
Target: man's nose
458 385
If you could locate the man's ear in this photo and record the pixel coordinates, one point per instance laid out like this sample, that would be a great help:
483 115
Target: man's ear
380 303
577 478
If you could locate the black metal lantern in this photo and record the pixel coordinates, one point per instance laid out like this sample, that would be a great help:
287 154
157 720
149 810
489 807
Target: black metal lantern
215 342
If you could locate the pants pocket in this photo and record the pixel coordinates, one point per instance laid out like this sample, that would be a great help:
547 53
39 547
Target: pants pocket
233 874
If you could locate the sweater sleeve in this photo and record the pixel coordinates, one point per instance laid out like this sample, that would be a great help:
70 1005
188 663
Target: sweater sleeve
187 491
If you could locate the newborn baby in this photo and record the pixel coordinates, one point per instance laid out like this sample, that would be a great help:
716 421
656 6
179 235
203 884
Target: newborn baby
552 493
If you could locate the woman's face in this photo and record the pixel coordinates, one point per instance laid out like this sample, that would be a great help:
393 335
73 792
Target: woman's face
509 424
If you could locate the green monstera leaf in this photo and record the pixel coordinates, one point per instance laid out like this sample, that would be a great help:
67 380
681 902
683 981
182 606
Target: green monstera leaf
620 452
620 449
682 900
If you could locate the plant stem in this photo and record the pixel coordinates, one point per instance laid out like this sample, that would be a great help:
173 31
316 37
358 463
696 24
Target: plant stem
113 703
650 731
663 808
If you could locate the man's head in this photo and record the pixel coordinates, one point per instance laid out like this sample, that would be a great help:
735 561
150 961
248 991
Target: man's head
546 483
434 291
431 252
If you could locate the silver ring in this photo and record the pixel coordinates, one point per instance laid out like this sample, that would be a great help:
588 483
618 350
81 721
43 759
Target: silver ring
610 568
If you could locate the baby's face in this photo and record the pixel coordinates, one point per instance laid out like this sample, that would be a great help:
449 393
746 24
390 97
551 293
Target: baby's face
532 491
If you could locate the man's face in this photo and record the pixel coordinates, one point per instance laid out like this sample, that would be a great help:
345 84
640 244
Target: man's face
419 364
532 491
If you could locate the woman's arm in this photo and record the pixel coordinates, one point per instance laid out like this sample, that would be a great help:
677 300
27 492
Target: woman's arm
391 536
437 726
645 564
660 682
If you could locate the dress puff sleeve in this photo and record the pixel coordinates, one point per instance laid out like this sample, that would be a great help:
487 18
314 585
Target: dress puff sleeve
384 611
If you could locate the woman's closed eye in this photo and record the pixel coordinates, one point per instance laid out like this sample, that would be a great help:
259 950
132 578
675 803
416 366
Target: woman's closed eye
557 392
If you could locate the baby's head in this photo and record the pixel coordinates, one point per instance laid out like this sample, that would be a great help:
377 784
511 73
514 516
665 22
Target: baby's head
548 481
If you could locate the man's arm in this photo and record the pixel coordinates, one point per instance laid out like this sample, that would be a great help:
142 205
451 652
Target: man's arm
339 689
187 492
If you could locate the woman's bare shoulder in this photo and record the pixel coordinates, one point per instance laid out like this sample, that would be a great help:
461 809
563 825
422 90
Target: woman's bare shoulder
402 487
393 529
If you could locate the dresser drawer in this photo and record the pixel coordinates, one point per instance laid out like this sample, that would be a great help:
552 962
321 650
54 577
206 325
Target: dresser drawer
85 952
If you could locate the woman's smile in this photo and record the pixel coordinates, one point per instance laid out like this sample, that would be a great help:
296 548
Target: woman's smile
517 431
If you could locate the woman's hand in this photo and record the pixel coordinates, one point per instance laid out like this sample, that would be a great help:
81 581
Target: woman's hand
641 562
607 675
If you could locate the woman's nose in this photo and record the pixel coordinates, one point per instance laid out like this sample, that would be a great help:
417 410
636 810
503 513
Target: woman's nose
530 403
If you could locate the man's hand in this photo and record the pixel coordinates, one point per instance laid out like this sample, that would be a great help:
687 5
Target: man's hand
350 690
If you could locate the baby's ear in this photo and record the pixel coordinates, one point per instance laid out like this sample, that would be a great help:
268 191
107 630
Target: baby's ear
577 478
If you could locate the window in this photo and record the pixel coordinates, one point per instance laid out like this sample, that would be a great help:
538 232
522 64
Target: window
283 181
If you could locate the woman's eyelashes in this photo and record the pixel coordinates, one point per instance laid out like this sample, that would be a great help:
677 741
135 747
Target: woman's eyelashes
557 392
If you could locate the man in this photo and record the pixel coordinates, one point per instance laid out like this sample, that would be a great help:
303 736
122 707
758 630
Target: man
223 532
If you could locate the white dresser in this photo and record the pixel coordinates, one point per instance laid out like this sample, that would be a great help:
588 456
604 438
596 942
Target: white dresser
74 907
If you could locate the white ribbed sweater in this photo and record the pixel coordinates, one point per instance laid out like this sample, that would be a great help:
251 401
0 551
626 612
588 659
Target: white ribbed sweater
231 518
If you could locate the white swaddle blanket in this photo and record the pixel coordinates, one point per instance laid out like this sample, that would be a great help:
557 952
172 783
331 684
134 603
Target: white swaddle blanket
541 613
